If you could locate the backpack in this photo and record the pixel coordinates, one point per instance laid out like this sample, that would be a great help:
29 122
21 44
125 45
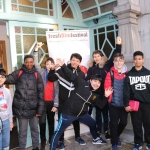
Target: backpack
21 71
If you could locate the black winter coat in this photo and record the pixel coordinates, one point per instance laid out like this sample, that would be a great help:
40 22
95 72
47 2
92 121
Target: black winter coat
81 97
28 97
65 85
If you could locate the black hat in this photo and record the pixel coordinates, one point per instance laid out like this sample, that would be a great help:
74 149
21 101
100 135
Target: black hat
2 72
96 77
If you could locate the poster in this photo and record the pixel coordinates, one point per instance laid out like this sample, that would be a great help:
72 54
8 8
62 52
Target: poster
61 44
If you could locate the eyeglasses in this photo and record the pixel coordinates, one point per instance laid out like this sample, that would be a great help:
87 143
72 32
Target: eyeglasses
2 77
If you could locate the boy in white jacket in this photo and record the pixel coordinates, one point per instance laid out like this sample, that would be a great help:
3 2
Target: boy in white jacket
6 123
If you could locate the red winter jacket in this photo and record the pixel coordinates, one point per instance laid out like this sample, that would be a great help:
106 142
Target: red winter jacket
118 81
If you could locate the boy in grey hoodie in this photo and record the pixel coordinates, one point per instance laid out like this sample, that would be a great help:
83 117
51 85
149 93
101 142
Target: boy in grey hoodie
6 123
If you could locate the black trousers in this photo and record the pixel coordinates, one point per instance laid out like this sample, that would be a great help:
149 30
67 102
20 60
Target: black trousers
42 122
66 120
118 121
76 125
139 119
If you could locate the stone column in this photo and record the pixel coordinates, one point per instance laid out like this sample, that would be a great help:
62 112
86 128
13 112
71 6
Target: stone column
144 29
127 12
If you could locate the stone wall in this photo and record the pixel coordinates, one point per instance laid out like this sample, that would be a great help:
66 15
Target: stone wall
134 28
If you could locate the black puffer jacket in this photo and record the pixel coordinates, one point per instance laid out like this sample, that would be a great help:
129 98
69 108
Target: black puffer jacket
82 96
28 97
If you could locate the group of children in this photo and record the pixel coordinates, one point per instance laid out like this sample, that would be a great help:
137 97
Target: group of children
108 87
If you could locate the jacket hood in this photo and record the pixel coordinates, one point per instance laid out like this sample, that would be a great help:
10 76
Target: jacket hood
124 69
103 61
134 70
27 71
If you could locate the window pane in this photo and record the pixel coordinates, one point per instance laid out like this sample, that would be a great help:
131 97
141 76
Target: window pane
25 2
17 30
108 7
101 39
28 41
111 38
107 49
43 40
95 41
50 4
14 7
18 44
19 61
41 11
68 13
27 30
102 1
13 1
41 31
90 13
101 30
110 28
43 61
41 4
26 9
95 31
86 4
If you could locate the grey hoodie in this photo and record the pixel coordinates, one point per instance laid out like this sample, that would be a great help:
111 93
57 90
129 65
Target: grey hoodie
42 71
5 104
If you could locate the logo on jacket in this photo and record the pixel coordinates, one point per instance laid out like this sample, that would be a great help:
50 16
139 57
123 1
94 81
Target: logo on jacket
140 82
94 97
3 103
140 86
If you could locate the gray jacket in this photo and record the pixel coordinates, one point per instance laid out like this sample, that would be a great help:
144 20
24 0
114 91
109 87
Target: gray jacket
42 71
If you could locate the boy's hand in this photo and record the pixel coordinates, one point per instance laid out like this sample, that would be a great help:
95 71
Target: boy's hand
54 109
11 126
38 115
128 109
59 62
38 45
0 60
118 41
108 91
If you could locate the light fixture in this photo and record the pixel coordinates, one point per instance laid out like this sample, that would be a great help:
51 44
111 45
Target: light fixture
34 1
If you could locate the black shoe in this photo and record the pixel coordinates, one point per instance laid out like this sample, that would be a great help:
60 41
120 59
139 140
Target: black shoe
43 145
36 148
107 136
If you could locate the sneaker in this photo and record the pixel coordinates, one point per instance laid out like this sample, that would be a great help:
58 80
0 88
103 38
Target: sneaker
99 140
119 143
80 141
61 145
107 135
148 146
114 147
137 147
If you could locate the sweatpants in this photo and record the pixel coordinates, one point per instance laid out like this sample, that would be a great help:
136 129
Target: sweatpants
139 119
76 125
42 122
66 120
23 128
102 114
118 121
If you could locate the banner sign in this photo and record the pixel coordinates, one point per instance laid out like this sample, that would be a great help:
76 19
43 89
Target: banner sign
61 44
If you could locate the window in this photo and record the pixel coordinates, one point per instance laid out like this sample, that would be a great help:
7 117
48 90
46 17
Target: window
26 39
43 7
66 10
104 39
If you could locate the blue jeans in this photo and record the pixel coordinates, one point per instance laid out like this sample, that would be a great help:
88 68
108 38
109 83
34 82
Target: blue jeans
66 120
5 135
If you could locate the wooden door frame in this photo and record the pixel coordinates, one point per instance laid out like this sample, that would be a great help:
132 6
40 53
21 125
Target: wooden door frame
4 60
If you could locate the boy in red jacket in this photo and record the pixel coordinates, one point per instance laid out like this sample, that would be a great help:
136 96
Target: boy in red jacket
118 116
